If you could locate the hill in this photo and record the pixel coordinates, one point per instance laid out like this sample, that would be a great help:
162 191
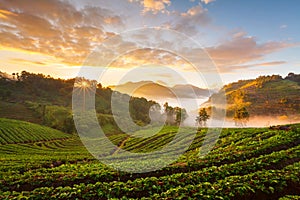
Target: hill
264 96
47 101
154 91
14 131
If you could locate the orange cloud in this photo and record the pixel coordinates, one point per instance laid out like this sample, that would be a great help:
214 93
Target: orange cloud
153 6
194 11
207 1
4 13
156 5
265 64
242 50
55 28
24 57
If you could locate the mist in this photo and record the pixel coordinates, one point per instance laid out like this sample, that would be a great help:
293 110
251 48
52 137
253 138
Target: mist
257 121
192 106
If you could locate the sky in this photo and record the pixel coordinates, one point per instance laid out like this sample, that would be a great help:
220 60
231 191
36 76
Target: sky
201 40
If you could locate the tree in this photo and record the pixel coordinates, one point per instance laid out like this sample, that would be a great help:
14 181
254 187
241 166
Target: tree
155 113
202 117
241 117
174 116
169 111
18 77
180 115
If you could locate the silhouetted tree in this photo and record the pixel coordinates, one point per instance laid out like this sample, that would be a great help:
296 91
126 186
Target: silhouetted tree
180 115
202 117
169 111
241 117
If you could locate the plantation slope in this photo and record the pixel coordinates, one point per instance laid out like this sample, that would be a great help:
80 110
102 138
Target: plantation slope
248 163
15 131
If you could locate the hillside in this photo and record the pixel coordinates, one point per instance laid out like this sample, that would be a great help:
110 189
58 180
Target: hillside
14 131
247 163
47 101
264 96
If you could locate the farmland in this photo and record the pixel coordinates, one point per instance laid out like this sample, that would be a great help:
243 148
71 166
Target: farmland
250 163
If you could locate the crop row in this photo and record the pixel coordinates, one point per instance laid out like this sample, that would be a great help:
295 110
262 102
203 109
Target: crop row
42 158
12 131
91 173
260 183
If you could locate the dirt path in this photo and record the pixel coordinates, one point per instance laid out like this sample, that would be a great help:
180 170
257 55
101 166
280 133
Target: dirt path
121 145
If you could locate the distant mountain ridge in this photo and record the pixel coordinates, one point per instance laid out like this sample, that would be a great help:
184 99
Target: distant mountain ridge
264 96
152 90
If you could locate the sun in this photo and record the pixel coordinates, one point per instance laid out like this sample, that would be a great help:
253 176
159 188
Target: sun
82 84
84 87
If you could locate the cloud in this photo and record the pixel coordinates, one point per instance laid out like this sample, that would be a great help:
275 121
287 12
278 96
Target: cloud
4 14
70 32
21 57
56 28
284 26
147 56
228 69
153 6
30 62
265 64
241 49
207 1
189 21
230 55
33 26
194 11
239 34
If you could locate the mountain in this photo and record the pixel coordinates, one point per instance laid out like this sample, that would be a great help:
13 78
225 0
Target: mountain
151 90
263 96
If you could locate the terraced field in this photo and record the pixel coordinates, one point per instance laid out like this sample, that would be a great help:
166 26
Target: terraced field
14 131
244 164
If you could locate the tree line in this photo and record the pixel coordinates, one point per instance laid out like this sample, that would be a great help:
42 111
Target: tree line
240 118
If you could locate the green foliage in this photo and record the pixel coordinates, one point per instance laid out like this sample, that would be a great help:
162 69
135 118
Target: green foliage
174 116
262 80
42 99
202 117
59 117
169 112
244 164
13 131
293 77
139 109
180 115
241 117
290 197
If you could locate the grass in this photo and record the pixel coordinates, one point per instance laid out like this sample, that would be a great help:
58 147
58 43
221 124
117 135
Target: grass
18 111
